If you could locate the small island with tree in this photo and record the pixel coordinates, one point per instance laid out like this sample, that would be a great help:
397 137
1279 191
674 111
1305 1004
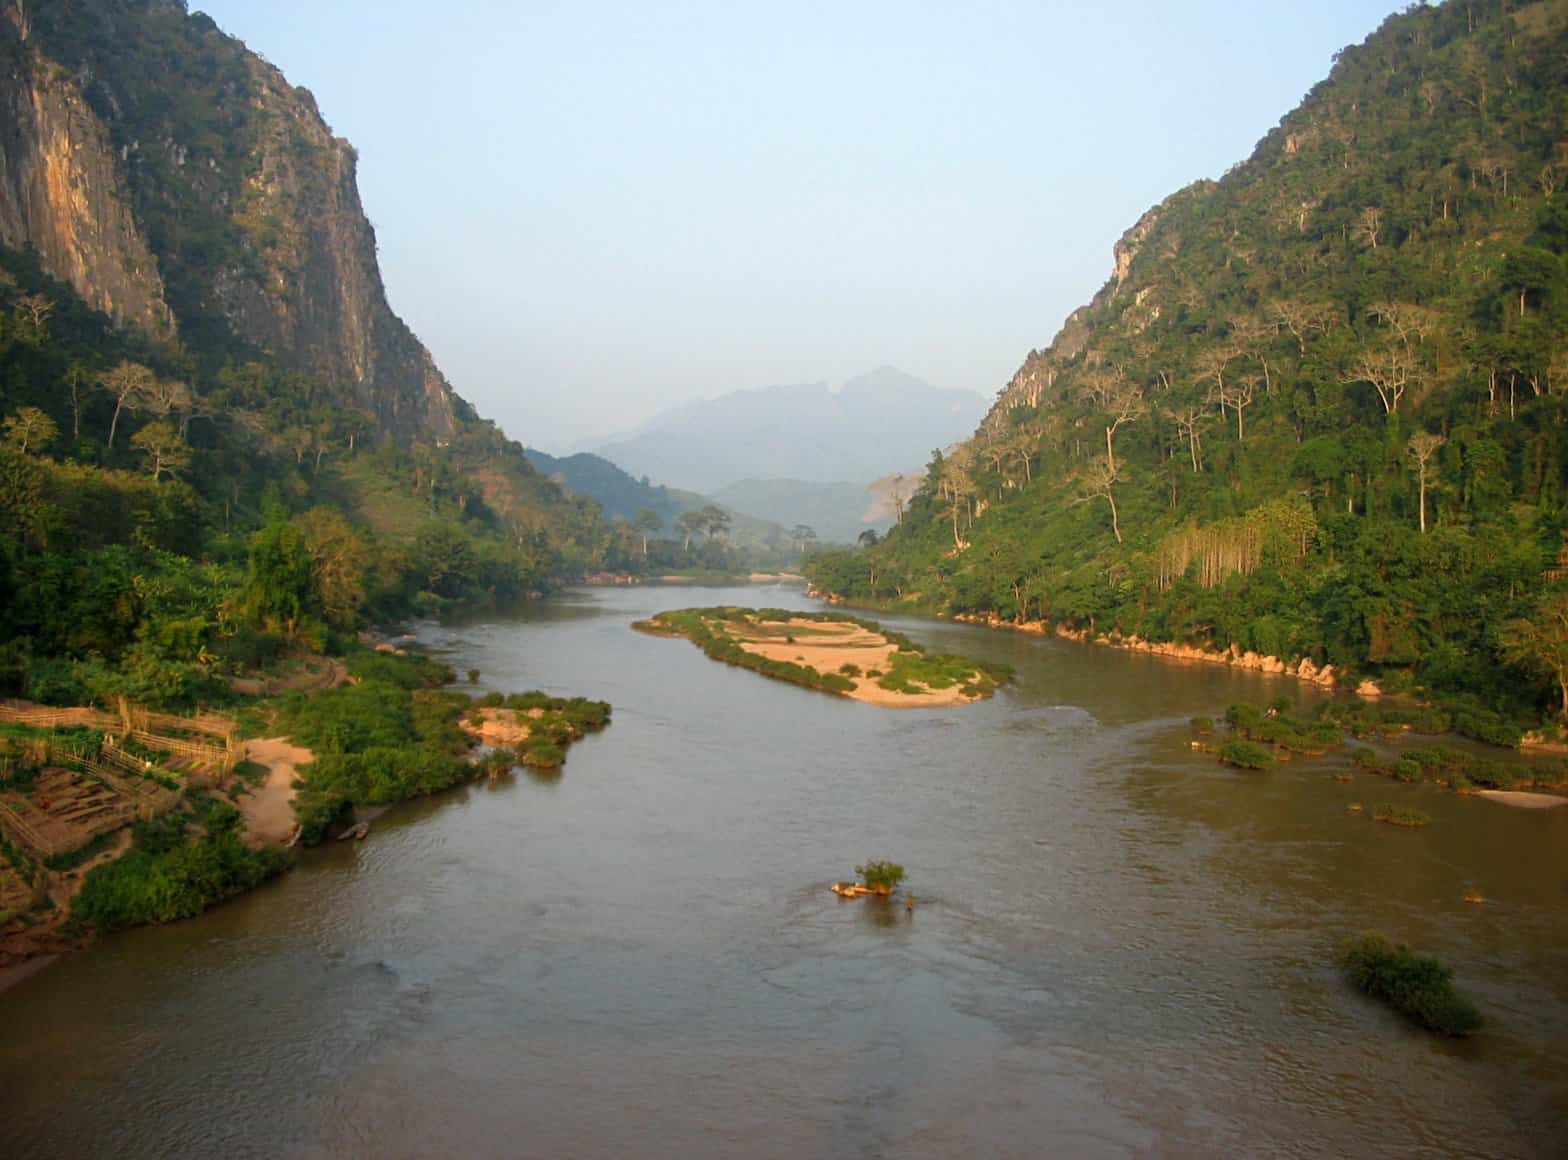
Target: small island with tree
833 653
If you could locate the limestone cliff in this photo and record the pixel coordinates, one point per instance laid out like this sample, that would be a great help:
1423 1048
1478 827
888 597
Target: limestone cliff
182 185
60 190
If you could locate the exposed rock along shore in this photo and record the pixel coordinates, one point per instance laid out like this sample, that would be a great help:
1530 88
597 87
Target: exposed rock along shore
1301 669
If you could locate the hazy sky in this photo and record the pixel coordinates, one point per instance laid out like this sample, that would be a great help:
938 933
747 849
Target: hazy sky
590 211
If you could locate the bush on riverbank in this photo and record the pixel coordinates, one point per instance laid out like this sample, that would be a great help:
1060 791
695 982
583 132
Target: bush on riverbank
179 865
1417 985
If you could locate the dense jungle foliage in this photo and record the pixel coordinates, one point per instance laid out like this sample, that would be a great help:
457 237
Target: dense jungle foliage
1320 408
160 527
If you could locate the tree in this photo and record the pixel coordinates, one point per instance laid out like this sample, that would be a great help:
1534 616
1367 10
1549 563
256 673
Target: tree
166 453
1390 368
281 591
802 536
340 556
32 315
1542 640
1421 447
1304 318
77 377
1119 398
1190 420
129 383
30 428
690 524
868 538
716 521
647 522
1099 482
1369 226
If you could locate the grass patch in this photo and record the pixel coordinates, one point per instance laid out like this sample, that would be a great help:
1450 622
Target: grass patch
1417 985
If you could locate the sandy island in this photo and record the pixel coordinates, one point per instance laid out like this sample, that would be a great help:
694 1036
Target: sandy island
825 646
1522 799
269 808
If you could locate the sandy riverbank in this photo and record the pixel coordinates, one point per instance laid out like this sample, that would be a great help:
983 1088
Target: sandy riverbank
1521 799
269 808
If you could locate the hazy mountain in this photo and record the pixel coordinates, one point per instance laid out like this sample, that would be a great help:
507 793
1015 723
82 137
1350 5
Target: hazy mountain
875 424
837 512
623 497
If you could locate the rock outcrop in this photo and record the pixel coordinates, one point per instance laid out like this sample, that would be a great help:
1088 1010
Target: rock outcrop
180 184
61 192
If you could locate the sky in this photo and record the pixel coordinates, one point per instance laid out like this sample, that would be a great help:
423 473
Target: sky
591 211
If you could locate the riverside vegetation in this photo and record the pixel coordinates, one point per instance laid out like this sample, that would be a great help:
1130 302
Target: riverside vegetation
1263 735
1318 411
393 734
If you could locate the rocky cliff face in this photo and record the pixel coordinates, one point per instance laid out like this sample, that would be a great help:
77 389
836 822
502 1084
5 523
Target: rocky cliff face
181 184
61 194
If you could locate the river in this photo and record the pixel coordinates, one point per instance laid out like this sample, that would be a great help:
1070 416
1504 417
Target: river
1120 948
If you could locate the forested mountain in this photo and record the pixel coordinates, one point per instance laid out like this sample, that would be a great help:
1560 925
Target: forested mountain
874 424
1318 410
219 443
640 501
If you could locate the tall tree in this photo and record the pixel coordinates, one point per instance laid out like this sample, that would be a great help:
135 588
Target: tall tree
647 522
160 444
1421 447
129 383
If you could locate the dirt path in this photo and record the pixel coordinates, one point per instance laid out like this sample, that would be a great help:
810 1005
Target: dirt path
269 808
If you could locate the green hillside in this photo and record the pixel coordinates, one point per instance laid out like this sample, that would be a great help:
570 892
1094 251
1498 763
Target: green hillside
1319 408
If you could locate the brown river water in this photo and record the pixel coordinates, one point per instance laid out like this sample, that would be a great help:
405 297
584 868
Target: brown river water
1119 949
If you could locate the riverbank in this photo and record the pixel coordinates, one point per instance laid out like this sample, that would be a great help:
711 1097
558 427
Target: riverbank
385 730
1301 668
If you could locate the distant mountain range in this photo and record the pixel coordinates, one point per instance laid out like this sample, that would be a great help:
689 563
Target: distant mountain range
876 424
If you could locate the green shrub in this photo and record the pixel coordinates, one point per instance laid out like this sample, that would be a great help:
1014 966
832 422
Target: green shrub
880 874
167 877
1417 985
1204 725
1399 816
541 755
1245 755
